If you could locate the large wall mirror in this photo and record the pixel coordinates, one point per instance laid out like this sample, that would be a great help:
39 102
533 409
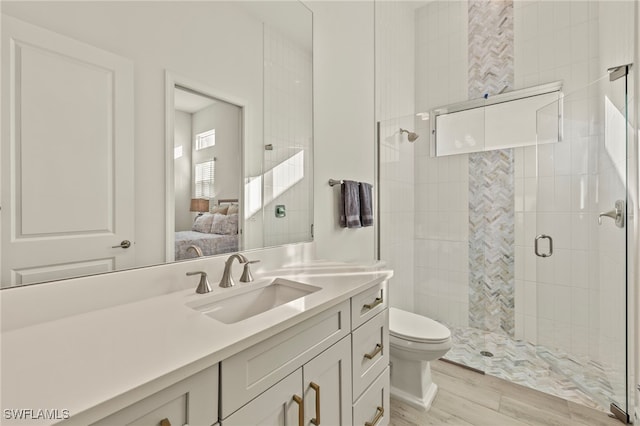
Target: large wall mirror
138 133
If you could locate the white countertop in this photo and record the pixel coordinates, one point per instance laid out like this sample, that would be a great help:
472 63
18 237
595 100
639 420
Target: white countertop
96 363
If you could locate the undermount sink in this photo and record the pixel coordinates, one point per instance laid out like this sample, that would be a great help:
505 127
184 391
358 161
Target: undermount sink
246 304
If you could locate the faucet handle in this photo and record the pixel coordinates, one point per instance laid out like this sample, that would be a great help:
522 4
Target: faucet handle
247 277
203 285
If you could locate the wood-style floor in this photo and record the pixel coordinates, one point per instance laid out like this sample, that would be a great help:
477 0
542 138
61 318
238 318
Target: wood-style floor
469 398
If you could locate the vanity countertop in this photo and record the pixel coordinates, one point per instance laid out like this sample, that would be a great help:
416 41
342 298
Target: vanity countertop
96 363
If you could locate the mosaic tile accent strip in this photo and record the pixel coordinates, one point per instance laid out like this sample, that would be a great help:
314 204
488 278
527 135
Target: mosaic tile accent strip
491 180
555 372
492 241
491 47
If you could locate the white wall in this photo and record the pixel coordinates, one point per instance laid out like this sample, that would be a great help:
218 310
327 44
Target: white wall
182 171
343 120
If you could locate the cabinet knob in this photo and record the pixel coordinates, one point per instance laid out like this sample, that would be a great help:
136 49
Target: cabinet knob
165 422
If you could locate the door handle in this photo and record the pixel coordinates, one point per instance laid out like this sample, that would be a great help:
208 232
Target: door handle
125 244
617 214
540 237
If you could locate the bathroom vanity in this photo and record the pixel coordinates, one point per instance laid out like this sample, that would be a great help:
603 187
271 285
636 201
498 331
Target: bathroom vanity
315 353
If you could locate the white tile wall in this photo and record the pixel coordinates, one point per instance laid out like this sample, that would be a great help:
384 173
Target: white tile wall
395 109
570 298
441 184
559 300
288 127
397 209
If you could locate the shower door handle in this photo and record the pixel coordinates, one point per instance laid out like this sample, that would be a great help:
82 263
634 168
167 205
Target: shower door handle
617 214
540 237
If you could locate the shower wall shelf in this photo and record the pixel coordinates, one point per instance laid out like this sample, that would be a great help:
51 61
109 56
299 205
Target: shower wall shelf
508 120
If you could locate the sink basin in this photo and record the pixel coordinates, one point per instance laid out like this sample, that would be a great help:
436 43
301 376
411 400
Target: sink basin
246 304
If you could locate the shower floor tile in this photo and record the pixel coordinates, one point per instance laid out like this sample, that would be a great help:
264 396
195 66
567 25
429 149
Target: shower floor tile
554 372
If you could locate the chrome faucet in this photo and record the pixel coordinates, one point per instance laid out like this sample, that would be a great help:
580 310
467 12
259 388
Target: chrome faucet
227 279
195 248
203 285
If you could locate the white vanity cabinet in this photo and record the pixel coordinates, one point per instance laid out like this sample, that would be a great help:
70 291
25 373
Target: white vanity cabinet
193 400
332 368
325 370
370 357
316 393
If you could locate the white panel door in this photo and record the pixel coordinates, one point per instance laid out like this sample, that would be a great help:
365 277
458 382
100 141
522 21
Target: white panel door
66 158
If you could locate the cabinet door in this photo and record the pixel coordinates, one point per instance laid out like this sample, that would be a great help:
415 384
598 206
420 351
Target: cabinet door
193 400
372 408
274 407
327 386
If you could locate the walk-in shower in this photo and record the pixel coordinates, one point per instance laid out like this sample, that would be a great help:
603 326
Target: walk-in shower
460 229
566 307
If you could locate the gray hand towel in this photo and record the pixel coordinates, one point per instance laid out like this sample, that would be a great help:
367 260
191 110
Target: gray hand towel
366 204
350 205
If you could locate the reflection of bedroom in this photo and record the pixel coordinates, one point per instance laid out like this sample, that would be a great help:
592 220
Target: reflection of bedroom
207 146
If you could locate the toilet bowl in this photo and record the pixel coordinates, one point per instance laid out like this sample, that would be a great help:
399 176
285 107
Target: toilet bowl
415 341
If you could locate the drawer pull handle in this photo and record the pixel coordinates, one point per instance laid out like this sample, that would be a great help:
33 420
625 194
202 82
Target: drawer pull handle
298 401
165 422
316 387
376 419
375 352
375 303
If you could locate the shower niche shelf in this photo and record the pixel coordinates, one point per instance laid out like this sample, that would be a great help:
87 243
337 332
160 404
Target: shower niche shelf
508 120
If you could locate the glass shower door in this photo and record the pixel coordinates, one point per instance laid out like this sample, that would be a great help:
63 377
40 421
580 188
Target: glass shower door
579 280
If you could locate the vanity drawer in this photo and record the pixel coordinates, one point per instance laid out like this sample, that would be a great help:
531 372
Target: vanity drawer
370 352
368 304
372 408
252 371
193 400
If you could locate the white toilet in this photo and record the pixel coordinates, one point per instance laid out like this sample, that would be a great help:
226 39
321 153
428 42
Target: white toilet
415 341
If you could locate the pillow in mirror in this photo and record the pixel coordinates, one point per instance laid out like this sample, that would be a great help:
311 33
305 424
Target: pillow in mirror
233 209
203 223
220 209
225 224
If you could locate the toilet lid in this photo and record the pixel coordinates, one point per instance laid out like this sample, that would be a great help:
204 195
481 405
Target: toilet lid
417 328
